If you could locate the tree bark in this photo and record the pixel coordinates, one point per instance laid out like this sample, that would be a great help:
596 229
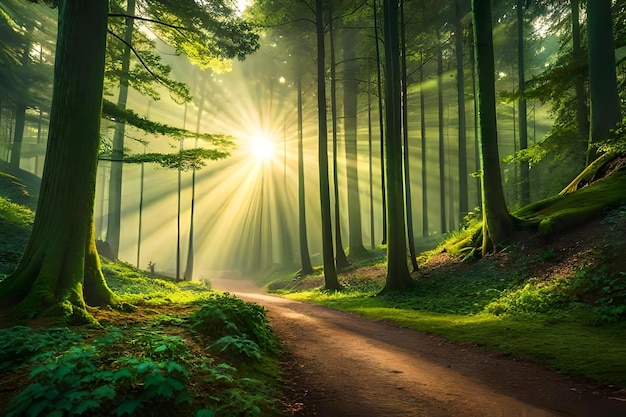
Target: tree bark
425 227
497 222
462 125
398 277
381 125
442 150
330 273
405 144
521 107
305 258
117 154
60 269
350 91
605 101
341 258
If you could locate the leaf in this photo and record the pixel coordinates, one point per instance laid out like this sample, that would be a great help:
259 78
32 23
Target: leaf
37 407
128 407
204 412
104 391
122 373
84 406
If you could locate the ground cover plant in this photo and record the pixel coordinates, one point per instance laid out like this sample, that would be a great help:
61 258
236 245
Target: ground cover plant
166 358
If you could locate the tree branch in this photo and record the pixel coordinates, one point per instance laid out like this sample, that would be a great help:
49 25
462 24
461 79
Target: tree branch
145 19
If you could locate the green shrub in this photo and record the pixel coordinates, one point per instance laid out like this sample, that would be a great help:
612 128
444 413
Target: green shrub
227 315
605 291
533 297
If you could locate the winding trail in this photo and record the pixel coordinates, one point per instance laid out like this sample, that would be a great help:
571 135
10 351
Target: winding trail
343 365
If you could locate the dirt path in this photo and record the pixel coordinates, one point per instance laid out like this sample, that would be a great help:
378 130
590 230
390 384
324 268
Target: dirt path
343 365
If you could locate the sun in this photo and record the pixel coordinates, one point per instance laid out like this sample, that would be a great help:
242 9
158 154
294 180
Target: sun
262 147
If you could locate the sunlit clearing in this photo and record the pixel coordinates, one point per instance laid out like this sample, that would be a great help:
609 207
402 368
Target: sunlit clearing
262 147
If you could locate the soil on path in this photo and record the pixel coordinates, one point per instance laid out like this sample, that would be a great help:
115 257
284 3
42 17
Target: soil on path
343 365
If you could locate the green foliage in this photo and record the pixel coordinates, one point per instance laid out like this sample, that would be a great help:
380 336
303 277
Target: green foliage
227 315
237 346
86 377
615 142
185 160
532 297
21 344
604 290
17 214
237 396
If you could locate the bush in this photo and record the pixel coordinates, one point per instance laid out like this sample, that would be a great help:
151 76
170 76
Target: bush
227 315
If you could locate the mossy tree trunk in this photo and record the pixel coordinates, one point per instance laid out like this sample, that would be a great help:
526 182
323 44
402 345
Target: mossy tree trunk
60 269
398 277
497 222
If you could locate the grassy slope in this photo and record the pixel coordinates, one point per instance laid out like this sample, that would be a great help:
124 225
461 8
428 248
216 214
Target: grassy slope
558 299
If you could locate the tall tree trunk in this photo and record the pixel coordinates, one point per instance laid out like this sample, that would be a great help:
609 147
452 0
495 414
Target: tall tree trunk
117 154
462 125
60 268
582 109
405 141
381 124
521 106
398 277
342 260
20 117
350 91
18 136
425 230
330 273
605 101
370 161
477 167
442 150
188 274
497 222
305 258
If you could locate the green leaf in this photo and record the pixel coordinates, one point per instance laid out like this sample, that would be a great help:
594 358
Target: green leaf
128 407
104 391
204 412
120 374
84 406
36 408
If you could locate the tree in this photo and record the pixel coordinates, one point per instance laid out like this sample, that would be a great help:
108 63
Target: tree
330 273
521 105
305 258
605 101
405 142
341 261
350 90
398 277
460 12
497 222
60 269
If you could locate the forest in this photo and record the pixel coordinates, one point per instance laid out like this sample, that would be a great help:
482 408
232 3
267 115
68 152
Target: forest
312 207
